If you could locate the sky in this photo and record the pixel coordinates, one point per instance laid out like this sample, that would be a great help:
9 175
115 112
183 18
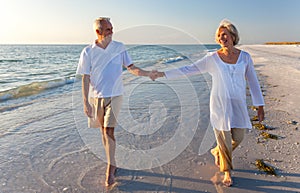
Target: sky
147 21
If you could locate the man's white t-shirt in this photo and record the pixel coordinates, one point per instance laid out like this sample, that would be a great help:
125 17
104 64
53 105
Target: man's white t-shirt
105 68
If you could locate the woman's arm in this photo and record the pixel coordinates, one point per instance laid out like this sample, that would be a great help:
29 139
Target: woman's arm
256 94
200 66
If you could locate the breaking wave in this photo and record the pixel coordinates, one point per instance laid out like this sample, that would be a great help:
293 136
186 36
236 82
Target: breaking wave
34 88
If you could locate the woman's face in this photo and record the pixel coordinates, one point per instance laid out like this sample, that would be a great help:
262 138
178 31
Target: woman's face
224 38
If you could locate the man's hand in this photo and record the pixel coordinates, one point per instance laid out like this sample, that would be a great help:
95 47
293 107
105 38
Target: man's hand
88 110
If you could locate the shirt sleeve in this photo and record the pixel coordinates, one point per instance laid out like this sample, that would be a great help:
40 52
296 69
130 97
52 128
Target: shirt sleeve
84 64
126 59
198 67
256 94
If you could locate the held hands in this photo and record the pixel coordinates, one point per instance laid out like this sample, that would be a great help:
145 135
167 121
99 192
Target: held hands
154 74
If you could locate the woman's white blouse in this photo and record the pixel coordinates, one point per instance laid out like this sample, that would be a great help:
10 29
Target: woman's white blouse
228 107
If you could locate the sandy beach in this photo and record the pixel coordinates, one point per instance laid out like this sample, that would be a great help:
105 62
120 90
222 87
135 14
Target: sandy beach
35 157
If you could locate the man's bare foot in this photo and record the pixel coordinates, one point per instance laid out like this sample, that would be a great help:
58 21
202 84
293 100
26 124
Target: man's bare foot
227 179
110 180
217 157
110 175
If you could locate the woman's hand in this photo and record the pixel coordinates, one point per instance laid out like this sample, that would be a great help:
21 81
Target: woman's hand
261 113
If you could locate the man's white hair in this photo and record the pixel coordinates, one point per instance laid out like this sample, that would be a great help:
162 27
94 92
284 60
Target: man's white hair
97 22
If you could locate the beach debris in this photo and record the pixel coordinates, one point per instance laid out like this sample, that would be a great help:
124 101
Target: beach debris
292 122
262 166
274 99
268 135
255 118
254 108
260 126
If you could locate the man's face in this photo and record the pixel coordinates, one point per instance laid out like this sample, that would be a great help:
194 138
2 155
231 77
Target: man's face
106 31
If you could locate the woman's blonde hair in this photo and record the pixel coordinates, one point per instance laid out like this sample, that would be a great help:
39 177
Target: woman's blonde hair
231 28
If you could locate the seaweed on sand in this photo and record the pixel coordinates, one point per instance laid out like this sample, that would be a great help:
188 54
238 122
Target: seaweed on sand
254 118
268 135
262 166
260 126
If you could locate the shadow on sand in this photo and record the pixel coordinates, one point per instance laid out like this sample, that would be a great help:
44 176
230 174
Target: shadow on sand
241 184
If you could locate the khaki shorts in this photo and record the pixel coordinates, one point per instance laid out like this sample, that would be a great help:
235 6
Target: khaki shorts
105 111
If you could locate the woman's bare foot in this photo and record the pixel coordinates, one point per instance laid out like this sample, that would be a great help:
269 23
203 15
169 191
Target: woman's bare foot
227 179
217 157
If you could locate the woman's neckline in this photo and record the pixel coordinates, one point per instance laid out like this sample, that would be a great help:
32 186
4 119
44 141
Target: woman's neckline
237 61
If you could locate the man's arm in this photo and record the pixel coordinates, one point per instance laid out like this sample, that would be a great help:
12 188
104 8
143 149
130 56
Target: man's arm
85 92
140 72
137 71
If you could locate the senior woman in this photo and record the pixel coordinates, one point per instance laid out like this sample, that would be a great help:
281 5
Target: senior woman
230 69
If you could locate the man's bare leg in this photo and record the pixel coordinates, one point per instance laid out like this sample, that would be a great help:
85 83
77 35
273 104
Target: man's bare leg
103 139
110 147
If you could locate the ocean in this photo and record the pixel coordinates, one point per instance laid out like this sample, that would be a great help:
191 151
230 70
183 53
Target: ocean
32 71
44 134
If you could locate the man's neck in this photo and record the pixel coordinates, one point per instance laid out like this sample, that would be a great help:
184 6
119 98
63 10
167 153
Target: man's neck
102 43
